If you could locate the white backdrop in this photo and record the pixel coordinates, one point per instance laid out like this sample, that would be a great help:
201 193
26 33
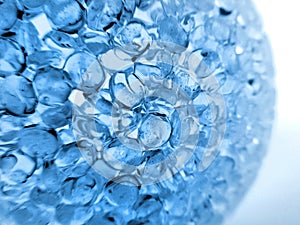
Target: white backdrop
274 199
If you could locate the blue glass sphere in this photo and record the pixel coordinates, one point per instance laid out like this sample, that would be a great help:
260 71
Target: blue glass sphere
131 111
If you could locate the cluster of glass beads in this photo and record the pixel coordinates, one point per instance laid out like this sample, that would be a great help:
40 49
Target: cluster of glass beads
46 47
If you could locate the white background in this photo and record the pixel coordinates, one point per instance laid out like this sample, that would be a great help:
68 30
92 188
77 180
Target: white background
274 199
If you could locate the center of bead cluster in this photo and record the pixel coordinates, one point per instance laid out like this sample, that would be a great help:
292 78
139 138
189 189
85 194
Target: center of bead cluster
149 123
141 110
154 131
145 113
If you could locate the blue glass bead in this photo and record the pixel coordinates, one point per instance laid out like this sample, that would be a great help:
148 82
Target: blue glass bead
46 197
57 116
11 57
8 15
131 111
18 96
66 15
51 86
101 15
37 142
